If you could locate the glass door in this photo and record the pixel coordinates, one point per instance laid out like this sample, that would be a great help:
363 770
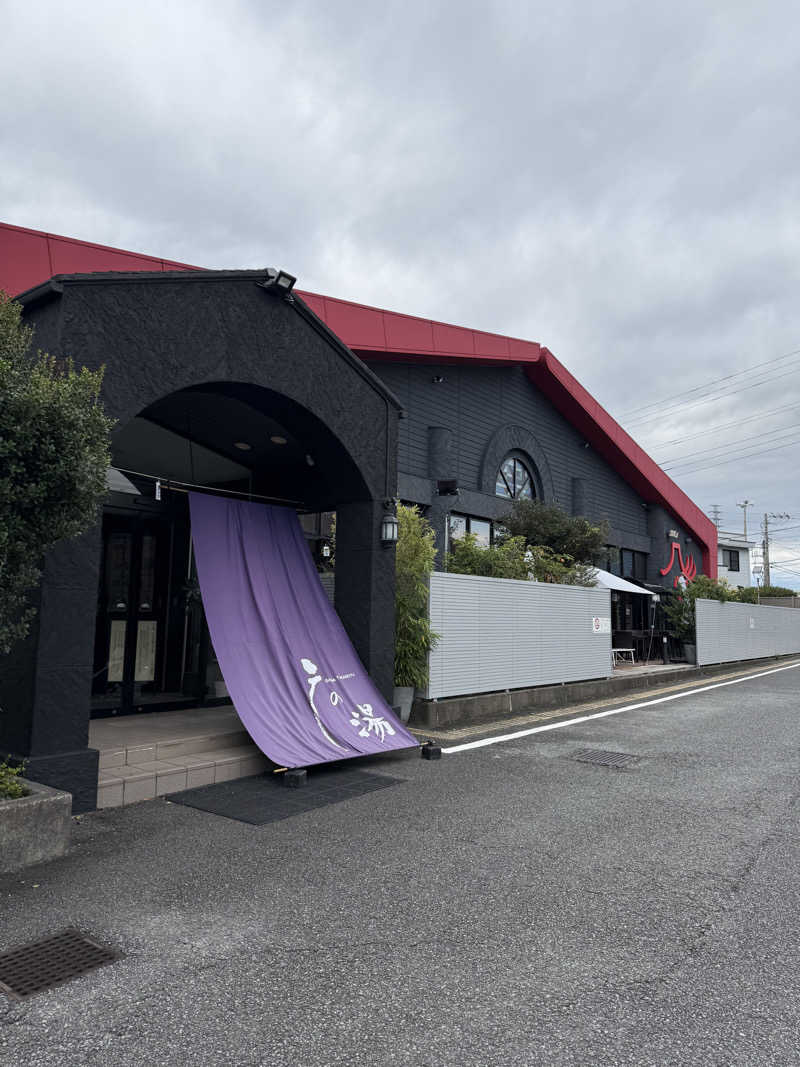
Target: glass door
137 647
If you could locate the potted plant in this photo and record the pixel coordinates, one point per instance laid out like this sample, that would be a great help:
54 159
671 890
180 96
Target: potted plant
680 609
414 639
11 788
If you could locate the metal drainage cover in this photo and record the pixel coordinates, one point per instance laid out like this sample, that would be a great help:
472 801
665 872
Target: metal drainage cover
603 758
31 969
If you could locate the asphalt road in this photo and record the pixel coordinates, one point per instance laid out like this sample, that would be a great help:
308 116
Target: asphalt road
507 905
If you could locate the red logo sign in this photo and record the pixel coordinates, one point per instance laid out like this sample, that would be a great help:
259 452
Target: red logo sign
688 566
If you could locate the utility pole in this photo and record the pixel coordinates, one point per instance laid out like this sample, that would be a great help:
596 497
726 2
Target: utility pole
744 505
765 548
765 542
715 511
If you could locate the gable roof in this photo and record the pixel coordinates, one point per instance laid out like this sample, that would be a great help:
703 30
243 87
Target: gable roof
30 257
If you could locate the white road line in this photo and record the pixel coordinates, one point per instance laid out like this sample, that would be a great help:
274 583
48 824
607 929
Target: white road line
614 711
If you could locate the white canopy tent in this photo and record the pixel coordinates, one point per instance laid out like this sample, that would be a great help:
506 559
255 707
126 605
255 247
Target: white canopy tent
611 581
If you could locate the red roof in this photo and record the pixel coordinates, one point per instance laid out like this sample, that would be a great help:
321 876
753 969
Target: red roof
30 257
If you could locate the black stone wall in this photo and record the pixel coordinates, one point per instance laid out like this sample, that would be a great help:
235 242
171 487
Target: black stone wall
157 334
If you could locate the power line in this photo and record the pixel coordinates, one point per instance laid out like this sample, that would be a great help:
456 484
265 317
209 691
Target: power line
785 570
676 461
707 399
734 459
713 381
728 425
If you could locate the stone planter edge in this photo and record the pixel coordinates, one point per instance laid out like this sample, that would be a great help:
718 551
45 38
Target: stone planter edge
34 828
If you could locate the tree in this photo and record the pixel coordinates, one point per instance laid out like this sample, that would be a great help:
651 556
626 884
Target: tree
414 638
547 525
752 594
680 605
506 560
54 454
512 558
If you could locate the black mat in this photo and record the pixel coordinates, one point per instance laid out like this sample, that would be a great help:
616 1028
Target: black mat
263 799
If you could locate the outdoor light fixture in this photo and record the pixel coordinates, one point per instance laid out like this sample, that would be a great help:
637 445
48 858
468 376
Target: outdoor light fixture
243 446
447 487
277 439
326 551
389 525
279 281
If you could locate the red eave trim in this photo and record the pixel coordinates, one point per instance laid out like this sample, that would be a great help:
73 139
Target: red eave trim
619 449
29 257
392 334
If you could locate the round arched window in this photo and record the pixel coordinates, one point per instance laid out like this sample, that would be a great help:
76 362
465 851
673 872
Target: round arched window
514 480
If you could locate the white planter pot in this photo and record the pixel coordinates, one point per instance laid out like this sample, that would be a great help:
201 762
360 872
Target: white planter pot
403 698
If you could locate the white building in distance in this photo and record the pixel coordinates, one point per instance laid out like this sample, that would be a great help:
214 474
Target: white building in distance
734 558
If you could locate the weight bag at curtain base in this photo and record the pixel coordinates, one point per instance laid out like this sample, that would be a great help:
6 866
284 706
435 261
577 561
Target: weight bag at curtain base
294 678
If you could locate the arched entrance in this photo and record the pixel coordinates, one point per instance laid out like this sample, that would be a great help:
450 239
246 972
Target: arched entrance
215 382
152 650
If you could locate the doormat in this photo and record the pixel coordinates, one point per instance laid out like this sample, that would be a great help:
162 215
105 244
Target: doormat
265 799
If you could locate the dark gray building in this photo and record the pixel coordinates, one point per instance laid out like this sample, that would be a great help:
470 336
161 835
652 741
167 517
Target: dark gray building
317 403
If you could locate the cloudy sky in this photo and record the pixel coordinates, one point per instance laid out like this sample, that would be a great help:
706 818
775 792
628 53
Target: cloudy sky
618 181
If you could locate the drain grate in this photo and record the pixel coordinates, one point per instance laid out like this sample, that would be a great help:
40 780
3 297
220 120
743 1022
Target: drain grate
33 968
604 758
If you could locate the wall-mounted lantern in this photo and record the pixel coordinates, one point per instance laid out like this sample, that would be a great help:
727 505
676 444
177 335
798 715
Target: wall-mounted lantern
389 526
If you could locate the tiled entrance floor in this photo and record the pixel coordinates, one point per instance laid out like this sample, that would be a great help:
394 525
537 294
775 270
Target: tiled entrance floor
148 755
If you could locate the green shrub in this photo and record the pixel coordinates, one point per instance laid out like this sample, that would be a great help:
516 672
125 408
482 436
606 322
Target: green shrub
513 558
752 595
549 526
679 607
414 638
54 455
10 786
547 565
506 560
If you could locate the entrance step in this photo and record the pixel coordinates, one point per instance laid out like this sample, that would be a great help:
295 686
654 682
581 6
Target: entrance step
171 749
160 754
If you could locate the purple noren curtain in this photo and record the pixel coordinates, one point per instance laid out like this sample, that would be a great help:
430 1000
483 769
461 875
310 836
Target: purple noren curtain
294 678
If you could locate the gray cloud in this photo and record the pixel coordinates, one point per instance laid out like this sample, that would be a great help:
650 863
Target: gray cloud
617 181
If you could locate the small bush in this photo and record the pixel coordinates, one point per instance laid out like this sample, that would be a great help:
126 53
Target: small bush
414 638
10 786
752 595
513 558
549 526
506 560
679 607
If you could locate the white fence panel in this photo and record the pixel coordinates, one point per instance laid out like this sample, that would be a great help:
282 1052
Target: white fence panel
497 633
730 631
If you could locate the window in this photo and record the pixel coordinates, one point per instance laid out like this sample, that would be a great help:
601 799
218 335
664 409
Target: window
634 564
464 524
730 558
514 480
611 562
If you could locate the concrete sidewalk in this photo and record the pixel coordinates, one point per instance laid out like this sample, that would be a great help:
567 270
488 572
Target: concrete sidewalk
653 685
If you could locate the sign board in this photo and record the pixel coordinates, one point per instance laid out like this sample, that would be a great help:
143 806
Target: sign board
601 624
116 650
145 666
